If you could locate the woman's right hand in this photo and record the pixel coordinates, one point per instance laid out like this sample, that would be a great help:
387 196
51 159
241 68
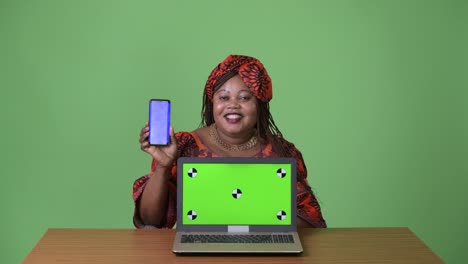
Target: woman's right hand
164 155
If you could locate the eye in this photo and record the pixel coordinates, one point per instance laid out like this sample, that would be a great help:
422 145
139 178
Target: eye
223 97
245 97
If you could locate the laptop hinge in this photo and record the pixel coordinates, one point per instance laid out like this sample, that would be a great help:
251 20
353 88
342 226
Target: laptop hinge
238 229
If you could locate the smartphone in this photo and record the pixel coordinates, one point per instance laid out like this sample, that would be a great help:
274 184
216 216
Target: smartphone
159 121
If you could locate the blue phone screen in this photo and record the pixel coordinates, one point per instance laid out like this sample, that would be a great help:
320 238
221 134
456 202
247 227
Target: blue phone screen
159 122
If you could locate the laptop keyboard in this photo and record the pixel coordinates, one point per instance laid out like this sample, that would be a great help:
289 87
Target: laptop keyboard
198 238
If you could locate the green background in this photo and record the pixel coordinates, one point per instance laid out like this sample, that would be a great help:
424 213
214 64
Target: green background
374 94
209 193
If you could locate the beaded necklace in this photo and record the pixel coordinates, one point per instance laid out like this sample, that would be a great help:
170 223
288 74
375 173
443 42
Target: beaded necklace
245 146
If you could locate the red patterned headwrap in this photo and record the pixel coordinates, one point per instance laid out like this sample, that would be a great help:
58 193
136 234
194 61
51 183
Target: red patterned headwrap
252 72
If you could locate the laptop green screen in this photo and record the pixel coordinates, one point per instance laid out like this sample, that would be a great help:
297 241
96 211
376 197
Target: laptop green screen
236 194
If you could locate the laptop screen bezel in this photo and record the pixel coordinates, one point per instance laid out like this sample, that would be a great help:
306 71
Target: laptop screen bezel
224 228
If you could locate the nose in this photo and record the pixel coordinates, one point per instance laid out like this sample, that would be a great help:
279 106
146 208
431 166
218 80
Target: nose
233 103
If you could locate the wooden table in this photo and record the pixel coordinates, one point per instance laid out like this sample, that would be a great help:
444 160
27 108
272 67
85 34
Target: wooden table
332 245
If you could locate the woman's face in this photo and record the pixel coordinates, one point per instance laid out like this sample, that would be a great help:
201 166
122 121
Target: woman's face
235 108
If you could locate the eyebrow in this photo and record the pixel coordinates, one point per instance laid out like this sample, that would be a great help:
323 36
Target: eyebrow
224 90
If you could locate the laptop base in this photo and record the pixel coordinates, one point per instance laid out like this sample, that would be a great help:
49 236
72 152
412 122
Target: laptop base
237 248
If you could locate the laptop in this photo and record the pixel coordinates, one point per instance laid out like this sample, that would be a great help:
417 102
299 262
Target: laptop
236 205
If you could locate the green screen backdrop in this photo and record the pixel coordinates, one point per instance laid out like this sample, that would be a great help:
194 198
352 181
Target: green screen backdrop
373 93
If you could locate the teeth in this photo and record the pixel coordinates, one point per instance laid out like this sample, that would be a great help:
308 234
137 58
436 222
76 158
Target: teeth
233 116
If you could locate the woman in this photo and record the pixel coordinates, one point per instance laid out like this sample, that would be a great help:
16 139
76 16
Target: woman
236 122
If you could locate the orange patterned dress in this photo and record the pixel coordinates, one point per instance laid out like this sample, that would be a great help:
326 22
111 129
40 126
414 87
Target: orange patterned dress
190 145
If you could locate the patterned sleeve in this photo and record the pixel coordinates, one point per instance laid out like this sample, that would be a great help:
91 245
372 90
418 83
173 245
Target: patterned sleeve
308 207
185 143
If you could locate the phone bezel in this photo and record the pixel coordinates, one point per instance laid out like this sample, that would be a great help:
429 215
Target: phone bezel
168 120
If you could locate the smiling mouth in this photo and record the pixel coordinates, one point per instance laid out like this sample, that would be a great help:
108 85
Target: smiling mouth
233 117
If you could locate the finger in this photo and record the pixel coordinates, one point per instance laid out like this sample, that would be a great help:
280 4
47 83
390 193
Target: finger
145 144
143 130
144 137
172 135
